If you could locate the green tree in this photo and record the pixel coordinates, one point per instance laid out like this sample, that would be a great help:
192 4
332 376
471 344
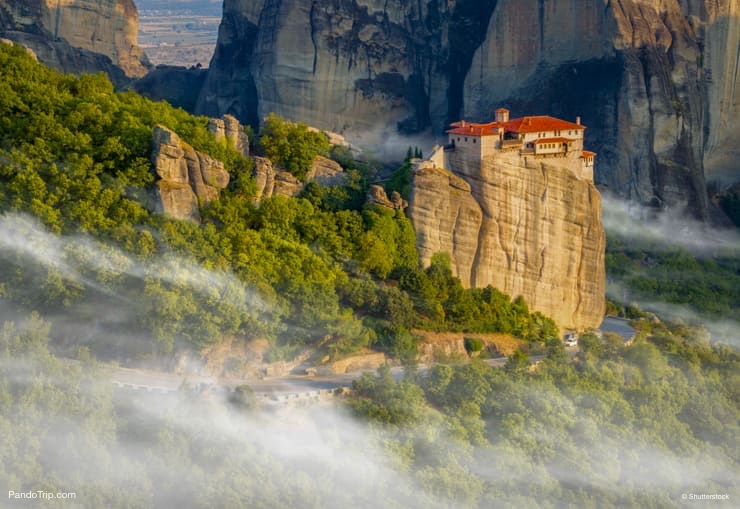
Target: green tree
291 145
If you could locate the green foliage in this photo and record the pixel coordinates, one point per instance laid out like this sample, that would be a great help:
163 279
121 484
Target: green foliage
570 431
244 398
440 298
730 203
473 344
400 181
655 273
291 145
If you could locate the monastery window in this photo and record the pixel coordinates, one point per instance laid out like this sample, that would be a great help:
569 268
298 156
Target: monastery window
466 138
475 141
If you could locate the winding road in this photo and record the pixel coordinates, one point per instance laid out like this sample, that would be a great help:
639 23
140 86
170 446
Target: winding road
277 388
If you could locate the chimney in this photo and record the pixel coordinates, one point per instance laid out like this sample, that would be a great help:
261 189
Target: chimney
462 123
502 115
578 120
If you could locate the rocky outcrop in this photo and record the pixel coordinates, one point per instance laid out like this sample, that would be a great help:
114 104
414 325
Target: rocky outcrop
326 172
347 66
376 195
271 181
527 228
367 360
655 81
187 177
228 129
70 35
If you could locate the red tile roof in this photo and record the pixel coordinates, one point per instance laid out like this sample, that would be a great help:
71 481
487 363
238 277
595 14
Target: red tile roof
588 153
518 125
551 140
472 129
539 124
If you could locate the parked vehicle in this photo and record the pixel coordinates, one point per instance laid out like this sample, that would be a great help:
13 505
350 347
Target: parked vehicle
570 339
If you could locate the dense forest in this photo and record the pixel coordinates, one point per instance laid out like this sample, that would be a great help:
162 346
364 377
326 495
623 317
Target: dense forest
617 426
90 274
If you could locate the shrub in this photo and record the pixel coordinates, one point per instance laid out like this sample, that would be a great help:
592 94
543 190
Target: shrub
473 345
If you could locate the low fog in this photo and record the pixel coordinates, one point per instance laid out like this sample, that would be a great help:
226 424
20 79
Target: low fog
189 450
668 228
199 452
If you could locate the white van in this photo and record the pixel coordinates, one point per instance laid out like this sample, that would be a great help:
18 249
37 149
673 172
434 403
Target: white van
570 339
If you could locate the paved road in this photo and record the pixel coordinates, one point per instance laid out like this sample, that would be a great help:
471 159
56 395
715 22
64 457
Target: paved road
156 381
618 326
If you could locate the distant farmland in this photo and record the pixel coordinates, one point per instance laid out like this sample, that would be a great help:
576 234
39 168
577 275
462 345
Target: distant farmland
179 32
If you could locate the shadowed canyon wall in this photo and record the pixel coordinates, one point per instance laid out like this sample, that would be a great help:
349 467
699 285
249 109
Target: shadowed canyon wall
656 81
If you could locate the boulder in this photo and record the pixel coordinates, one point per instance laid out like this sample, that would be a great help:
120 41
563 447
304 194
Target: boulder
228 128
271 180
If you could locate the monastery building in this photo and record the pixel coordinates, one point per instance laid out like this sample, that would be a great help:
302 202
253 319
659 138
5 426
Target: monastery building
538 137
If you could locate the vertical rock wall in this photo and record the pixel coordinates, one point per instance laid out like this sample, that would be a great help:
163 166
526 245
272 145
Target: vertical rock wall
655 80
531 229
108 28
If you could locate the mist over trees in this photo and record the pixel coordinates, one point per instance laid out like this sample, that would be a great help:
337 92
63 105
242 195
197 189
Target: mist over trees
89 273
618 427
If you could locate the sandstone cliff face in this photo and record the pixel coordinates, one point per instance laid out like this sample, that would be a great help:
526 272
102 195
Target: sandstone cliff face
655 80
348 65
187 177
531 230
54 28
642 75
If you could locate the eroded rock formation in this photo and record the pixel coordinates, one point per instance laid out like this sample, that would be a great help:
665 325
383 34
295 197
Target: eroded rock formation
377 196
229 129
527 228
187 177
77 35
271 180
656 81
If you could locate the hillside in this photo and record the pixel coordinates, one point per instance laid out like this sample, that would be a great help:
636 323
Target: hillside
324 270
